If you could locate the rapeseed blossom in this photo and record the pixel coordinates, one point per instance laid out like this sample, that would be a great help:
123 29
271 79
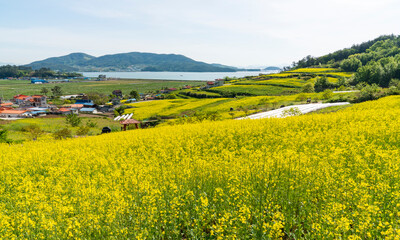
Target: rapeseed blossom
319 176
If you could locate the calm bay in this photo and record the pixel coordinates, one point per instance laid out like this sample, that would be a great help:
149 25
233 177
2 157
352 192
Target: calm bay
195 76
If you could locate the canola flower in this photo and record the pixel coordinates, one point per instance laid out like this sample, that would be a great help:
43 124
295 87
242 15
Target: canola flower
320 176
312 70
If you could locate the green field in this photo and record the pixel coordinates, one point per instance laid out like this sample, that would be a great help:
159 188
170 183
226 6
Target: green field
253 90
10 88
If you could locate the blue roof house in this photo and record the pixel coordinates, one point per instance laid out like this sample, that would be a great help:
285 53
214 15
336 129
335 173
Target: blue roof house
88 110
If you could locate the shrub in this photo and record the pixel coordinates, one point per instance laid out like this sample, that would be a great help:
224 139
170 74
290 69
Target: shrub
369 92
3 136
73 119
171 96
327 94
301 97
62 134
308 88
119 110
33 130
83 131
91 124
321 84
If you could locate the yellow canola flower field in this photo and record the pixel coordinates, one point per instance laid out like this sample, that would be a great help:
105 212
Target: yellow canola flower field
319 176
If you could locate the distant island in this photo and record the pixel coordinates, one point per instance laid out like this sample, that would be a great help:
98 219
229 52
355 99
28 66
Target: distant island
131 62
272 69
128 62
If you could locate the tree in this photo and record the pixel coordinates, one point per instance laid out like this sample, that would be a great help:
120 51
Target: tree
91 124
327 94
341 82
62 134
34 131
98 98
56 91
134 94
83 131
321 84
371 73
73 119
351 64
119 110
369 92
308 88
44 91
43 73
395 83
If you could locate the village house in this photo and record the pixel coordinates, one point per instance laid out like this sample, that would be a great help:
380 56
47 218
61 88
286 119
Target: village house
10 113
83 103
37 111
88 110
38 81
6 104
117 93
219 82
39 101
105 108
77 106
101 78
216 83
30 101
66 111
19 99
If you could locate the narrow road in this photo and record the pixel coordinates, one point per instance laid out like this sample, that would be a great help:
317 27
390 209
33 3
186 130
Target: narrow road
304 108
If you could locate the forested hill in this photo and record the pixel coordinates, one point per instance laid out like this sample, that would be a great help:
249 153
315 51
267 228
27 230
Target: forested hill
375 62
333 59
134 61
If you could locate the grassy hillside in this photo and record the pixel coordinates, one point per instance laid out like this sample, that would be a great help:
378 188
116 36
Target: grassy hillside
317 176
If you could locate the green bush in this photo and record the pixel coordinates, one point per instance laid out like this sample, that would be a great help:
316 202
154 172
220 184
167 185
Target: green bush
3 137
327 94
62 134
33 130
83 131
91 124
308 88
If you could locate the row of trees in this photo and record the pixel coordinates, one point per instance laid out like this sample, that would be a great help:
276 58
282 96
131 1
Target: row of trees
380 47
21 71
322 83
14 71
380 72
56 91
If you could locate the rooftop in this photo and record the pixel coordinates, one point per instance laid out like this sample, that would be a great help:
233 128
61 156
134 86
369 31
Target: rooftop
12 111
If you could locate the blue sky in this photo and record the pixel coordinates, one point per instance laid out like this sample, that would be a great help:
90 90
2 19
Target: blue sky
232 32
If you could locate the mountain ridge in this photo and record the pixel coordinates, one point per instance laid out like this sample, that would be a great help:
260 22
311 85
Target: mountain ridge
132 61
